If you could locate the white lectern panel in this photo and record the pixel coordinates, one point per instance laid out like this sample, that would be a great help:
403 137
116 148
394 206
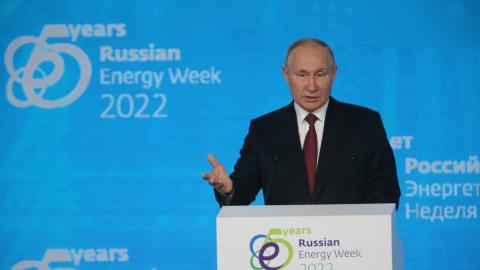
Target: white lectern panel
322 237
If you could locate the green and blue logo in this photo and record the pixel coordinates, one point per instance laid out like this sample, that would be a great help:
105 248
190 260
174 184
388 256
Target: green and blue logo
270 252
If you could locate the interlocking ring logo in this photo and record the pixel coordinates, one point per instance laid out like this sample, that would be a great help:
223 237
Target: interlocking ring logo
32 77
273 254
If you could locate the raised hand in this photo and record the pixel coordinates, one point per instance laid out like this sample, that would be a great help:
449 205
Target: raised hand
218 177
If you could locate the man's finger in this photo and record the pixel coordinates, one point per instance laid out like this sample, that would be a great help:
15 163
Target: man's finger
218 186
212 179
213 161
206 176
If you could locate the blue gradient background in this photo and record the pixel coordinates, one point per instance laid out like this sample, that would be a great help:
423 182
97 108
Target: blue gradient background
69 179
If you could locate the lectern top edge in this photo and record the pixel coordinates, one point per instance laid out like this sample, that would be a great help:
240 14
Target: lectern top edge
306 210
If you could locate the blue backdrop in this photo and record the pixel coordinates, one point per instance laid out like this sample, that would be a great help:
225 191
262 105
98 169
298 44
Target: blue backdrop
109 109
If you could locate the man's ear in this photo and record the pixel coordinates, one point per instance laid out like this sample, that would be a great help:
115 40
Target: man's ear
334 72
285 73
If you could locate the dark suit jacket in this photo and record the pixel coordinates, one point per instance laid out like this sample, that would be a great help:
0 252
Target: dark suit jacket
356 163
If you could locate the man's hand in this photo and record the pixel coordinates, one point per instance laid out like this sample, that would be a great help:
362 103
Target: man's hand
218 177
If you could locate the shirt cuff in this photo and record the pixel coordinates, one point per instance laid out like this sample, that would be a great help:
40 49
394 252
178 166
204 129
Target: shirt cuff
226 198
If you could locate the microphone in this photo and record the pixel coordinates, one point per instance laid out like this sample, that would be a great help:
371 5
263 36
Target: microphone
352 159
268 188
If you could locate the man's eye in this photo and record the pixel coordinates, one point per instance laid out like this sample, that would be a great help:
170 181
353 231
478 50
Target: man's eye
321 74
301 74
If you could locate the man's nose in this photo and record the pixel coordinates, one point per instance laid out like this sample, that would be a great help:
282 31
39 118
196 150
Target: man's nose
312 84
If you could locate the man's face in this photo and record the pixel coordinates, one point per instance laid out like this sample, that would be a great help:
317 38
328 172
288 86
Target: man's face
310 73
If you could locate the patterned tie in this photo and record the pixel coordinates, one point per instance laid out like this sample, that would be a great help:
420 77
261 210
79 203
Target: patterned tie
310 152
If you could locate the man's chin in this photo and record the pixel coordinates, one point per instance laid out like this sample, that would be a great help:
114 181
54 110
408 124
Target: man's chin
312 106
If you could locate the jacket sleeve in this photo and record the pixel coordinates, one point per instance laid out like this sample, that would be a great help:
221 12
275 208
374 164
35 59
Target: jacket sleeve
246 174
382 181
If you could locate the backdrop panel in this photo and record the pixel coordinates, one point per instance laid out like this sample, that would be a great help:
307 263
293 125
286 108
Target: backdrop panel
109 108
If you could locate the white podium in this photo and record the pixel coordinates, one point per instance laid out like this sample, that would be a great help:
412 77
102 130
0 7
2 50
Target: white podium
308 237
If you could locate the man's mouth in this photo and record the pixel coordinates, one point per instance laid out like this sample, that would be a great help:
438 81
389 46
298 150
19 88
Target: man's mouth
311 98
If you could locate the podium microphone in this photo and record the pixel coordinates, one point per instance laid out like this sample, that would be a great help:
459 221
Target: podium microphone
268 188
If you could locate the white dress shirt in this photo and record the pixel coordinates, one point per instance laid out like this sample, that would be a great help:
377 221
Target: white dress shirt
303 125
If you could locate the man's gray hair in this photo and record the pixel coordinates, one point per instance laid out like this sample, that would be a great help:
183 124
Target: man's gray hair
310 41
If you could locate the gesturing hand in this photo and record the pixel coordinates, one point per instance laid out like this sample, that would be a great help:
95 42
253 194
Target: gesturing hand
218 177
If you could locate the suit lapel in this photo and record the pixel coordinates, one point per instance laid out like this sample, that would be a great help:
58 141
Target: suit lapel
332 135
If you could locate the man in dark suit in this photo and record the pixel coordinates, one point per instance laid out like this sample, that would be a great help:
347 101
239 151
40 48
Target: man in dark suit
315 150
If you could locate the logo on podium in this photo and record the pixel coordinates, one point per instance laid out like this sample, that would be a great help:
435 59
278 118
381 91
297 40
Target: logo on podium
270 252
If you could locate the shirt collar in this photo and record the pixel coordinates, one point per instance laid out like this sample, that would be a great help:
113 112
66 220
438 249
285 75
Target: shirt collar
320 113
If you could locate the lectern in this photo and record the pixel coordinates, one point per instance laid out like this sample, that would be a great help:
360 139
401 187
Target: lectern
308 237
